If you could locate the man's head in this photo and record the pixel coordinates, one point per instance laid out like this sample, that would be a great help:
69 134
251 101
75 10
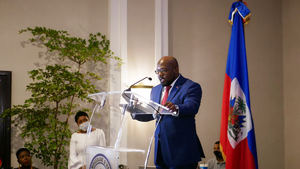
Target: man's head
217 151
24 157
217 146
167 70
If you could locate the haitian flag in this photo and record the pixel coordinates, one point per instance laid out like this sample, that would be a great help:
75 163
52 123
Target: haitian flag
237 139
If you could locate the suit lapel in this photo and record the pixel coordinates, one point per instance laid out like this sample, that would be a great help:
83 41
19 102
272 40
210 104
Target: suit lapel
176 87
157 93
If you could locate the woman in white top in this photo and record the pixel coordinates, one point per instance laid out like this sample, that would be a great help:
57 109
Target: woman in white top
80 140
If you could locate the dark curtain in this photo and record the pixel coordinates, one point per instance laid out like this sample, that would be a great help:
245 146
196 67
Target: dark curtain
5 102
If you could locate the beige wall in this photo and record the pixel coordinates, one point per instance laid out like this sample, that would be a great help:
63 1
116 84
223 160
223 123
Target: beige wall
140 39
199 38
76 16
291 86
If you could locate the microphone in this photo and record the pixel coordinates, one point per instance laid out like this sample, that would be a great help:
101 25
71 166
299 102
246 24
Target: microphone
129 89
127 96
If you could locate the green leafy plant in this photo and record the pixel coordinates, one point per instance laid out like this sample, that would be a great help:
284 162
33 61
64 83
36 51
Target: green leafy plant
56 90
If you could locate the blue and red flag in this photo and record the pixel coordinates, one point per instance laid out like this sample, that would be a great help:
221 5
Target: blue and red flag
237 137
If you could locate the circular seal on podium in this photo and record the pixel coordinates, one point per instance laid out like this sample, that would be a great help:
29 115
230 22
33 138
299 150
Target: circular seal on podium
100 161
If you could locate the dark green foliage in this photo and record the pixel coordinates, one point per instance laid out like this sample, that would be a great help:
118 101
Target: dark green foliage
43 118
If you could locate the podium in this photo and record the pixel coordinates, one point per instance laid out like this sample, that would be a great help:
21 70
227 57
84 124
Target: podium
119 108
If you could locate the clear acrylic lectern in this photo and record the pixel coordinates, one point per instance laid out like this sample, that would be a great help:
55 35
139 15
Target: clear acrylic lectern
113 110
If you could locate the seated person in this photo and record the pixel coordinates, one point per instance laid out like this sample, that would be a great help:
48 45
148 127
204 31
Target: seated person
80 140
218 162
24 159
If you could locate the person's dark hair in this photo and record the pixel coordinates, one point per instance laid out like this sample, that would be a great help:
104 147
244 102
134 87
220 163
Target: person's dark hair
20 151
80 113
217 142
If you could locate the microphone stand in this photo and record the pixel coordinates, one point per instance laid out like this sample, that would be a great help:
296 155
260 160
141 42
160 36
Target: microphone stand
149 78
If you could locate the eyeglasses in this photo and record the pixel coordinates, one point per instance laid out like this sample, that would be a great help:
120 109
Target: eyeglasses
157 71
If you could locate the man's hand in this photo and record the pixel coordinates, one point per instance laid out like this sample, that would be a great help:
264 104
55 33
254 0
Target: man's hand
172 107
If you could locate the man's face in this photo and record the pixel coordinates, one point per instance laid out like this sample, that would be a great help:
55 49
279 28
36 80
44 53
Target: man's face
217 152
216 147
24 158
166 73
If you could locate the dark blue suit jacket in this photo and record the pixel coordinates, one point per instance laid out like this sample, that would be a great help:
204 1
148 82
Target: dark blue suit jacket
178 139
177 136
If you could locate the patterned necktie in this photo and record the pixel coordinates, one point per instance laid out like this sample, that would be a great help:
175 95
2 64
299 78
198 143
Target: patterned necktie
166 94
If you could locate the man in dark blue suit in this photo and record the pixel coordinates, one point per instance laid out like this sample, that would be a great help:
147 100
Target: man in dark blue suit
177 145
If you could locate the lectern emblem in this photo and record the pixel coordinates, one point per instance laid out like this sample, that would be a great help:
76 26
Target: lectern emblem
100 162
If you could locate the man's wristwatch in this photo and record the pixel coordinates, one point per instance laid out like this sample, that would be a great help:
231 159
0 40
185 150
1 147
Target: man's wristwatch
176 113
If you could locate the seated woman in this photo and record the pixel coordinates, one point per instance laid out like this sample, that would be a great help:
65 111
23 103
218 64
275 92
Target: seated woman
24 159
79 141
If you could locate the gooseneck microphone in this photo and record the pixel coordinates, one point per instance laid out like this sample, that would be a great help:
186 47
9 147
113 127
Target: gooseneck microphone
129 89
126 94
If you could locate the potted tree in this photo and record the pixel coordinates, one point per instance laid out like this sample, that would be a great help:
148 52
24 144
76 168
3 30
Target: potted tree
56 90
